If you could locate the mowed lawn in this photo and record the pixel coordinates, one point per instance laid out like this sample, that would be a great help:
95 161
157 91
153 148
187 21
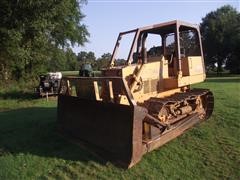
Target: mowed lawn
30 147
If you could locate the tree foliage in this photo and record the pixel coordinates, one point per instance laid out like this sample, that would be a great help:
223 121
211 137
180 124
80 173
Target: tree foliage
84 57
103 61
34 34
221 38
89 57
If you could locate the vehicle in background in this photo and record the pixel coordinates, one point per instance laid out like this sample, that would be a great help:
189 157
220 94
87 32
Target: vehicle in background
86 70
49 84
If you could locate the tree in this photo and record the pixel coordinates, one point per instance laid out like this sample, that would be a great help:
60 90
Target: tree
32 32
82 56
221 31
57 62
233 64
103 61
86 57
91 56
71 60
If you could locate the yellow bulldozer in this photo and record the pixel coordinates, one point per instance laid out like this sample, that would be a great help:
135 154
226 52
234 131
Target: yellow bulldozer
142 101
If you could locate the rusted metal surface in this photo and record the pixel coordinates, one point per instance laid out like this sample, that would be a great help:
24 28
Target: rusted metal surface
116 129
178 108
186 122
172 133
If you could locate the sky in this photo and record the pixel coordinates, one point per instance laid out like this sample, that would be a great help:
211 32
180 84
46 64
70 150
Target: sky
106 18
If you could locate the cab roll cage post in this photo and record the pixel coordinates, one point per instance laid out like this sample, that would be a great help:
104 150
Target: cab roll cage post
201 49
133 46
144 50
115 50
178 53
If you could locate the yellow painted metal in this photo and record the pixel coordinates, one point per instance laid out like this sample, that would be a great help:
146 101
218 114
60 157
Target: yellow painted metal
149 97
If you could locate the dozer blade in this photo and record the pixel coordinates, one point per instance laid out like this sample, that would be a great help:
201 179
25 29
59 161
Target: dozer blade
114 129
101 114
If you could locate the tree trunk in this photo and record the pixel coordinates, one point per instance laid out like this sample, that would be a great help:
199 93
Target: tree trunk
4 72
219 67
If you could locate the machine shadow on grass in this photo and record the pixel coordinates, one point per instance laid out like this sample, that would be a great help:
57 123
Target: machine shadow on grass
33 131
19 95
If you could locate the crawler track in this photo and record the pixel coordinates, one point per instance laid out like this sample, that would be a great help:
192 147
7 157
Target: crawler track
168 113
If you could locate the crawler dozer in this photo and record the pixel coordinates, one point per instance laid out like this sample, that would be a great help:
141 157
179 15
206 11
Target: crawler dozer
140 101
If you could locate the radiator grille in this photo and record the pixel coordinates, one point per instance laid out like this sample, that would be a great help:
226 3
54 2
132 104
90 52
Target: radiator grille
150 86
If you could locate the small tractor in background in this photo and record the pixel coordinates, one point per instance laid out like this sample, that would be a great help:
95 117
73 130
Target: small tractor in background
49 84
86 70
137 107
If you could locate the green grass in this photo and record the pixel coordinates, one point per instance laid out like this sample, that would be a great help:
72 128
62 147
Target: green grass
30 147
76 73
70 73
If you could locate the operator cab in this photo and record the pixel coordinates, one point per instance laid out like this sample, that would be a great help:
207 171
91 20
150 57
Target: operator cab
155 43
163 57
